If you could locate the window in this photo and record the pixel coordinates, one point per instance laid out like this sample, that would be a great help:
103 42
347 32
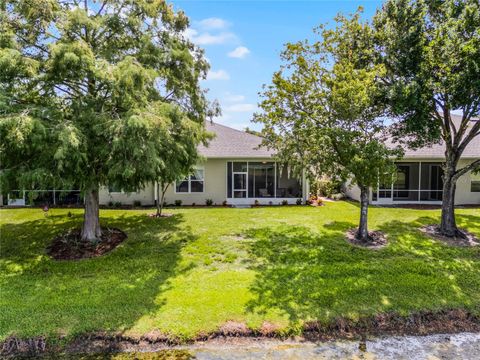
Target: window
192 184
475 184
114 189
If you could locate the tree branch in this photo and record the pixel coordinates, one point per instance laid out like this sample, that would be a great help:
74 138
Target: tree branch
473 166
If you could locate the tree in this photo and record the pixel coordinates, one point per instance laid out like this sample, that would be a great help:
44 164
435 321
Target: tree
321 111
431 50
92 91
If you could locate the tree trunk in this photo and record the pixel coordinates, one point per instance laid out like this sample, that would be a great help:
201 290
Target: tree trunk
448 225
161 201
91 224
362 233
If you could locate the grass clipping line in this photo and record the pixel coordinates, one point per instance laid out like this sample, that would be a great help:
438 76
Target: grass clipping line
420 323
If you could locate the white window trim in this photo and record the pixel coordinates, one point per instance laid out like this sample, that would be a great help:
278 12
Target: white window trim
190 183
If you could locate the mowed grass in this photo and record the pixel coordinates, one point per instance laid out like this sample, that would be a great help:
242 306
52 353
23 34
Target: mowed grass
188 274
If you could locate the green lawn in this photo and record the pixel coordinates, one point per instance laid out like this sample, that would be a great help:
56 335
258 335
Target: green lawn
190 273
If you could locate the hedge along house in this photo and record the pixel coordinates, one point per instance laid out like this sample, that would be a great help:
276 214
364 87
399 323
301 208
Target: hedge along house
236 170
419 178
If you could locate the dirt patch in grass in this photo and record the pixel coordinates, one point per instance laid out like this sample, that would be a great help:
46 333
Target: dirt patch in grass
420 323
377 239
154 215
434 232
70 246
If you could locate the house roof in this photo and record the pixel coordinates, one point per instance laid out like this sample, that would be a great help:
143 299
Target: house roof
437 151
232 143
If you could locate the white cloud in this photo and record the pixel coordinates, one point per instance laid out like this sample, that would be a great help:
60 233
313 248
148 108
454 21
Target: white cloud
206 38
213 23
218 75
243 107
240 52
234 98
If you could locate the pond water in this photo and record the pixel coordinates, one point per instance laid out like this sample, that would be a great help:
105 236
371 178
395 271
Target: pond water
447 346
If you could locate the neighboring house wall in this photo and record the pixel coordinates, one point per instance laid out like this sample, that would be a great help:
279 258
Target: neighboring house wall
463 195
146 196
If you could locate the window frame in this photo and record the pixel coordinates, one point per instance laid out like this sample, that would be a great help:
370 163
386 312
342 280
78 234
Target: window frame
474 178
189 180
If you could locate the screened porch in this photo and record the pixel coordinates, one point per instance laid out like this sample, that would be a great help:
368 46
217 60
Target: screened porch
415 182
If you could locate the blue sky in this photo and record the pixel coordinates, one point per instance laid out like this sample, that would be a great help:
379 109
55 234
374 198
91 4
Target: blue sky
243 40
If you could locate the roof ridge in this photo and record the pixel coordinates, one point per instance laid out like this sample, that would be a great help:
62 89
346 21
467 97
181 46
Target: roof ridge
231 128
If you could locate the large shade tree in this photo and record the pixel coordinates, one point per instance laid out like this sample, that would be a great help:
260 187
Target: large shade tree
322 113
93 93
431 51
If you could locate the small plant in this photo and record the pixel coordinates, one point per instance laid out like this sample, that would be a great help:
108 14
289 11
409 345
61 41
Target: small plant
193 204
270 203
117 204
178 202
209 202
284 202
110 204
299 201
256 203
137 203
224 203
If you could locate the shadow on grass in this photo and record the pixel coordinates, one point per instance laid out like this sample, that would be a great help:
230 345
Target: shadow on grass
319 276
42 296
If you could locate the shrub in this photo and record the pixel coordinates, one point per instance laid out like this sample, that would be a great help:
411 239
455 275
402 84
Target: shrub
338 196
209 202
117 204
256 203
224 203
137 203
110 204
326 187
178 202
299 201
284 202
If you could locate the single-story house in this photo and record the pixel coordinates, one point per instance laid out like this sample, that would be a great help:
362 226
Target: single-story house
419 178
236 169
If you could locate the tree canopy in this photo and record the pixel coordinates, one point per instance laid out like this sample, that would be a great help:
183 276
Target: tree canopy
322 111
96 93
431 53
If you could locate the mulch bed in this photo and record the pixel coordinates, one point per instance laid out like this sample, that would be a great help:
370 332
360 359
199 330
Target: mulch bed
434 232
70 246
377 239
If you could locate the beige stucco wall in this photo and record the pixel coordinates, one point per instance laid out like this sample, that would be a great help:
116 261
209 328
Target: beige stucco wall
215 188
146 196
463 195
215 185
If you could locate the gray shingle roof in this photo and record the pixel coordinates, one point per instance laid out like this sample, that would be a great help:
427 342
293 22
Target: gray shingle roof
232 143
437 151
